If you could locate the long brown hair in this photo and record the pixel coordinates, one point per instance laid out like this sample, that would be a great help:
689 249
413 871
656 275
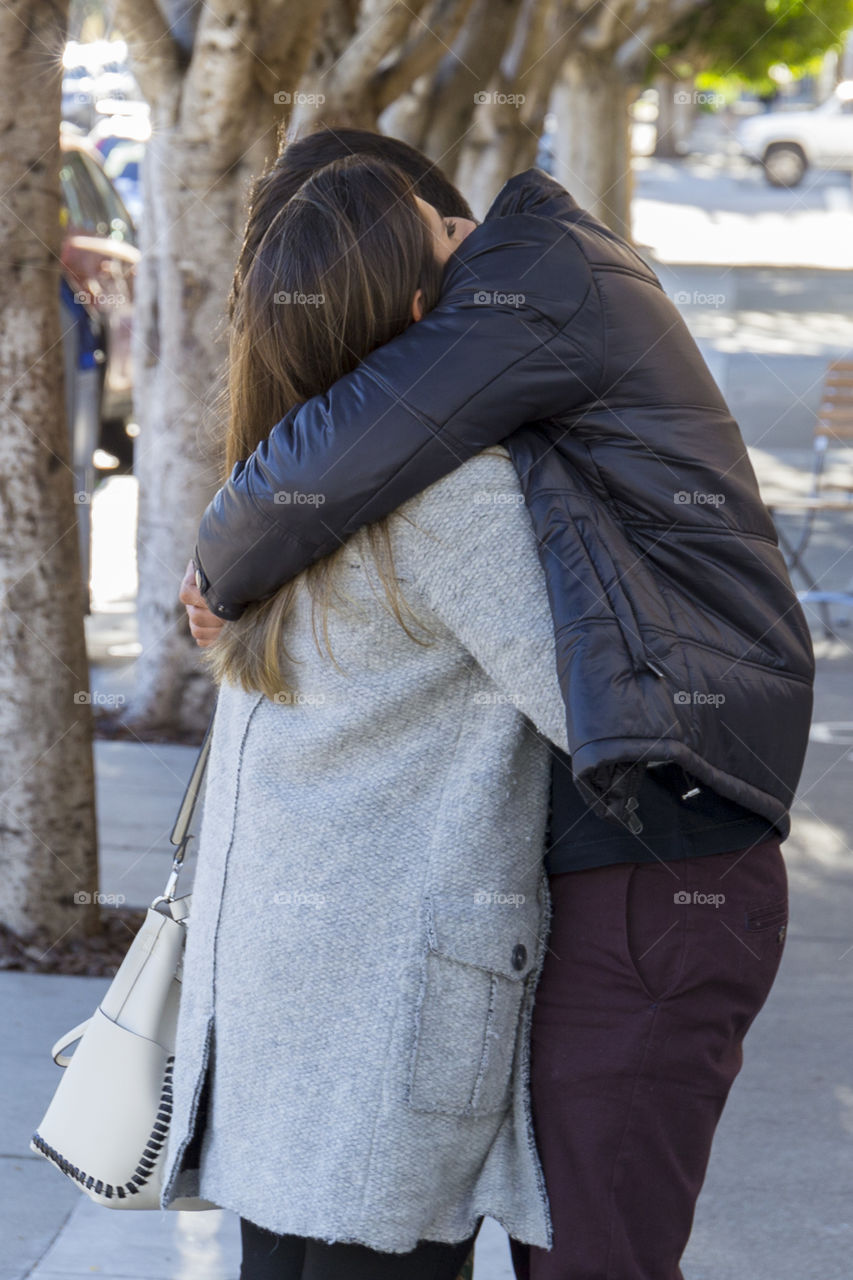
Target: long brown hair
332 278
300 157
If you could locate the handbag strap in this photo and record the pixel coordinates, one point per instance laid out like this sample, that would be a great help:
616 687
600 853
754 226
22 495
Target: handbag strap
180 831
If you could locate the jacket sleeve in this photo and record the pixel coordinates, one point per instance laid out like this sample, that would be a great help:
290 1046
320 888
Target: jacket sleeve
516 337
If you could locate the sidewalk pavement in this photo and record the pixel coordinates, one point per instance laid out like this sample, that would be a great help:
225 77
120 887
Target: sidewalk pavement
778 1199
779 1194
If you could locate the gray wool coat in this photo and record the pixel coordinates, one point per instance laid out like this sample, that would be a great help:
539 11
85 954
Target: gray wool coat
370 908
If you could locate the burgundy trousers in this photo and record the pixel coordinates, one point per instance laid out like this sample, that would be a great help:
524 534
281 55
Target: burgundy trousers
653 975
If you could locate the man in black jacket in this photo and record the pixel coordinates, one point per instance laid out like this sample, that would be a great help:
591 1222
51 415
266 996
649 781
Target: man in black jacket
673 837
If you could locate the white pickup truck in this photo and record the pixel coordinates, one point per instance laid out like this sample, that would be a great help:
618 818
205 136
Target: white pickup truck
788 143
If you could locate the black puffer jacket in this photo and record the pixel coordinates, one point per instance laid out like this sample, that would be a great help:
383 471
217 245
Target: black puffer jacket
678 635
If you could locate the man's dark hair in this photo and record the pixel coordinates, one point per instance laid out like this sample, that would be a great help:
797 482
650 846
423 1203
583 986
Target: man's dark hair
298 159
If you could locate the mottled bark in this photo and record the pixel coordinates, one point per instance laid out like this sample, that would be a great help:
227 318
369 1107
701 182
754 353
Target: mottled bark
219 76
593 154
48 847
369 54
437 112
217 95
509 120
607 52
676 113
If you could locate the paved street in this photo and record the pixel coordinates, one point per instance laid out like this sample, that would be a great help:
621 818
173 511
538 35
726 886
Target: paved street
778 1200
714 207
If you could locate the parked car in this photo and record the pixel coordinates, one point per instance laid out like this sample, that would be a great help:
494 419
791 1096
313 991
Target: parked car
123 165
99 258
788 143
84 360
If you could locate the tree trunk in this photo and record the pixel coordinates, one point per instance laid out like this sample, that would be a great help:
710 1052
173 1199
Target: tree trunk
676 110
370 54
215 106
508 124
496 148
593 154
438 118
48 840
189 247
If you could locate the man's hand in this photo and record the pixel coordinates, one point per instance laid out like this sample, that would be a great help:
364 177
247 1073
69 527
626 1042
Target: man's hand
204 625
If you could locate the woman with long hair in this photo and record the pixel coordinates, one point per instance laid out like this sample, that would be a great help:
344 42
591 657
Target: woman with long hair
674 620
370 907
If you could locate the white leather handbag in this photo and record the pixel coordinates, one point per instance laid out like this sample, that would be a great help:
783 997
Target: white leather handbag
107 1124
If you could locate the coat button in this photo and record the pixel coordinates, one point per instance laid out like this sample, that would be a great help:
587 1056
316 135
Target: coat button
519 956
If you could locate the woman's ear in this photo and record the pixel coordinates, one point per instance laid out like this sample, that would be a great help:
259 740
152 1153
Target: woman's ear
418 305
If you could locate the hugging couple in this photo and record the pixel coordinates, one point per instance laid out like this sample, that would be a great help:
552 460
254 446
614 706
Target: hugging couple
514 694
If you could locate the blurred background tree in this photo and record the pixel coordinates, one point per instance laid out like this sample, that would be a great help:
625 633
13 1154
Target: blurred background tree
738 41
48 844
727 46
471 82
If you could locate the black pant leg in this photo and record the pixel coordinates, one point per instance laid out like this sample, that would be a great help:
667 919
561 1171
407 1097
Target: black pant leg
267 1256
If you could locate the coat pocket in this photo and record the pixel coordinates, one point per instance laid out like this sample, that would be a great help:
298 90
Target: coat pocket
480 953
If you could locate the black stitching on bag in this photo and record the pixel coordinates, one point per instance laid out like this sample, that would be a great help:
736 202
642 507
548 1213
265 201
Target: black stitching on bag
147 1160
